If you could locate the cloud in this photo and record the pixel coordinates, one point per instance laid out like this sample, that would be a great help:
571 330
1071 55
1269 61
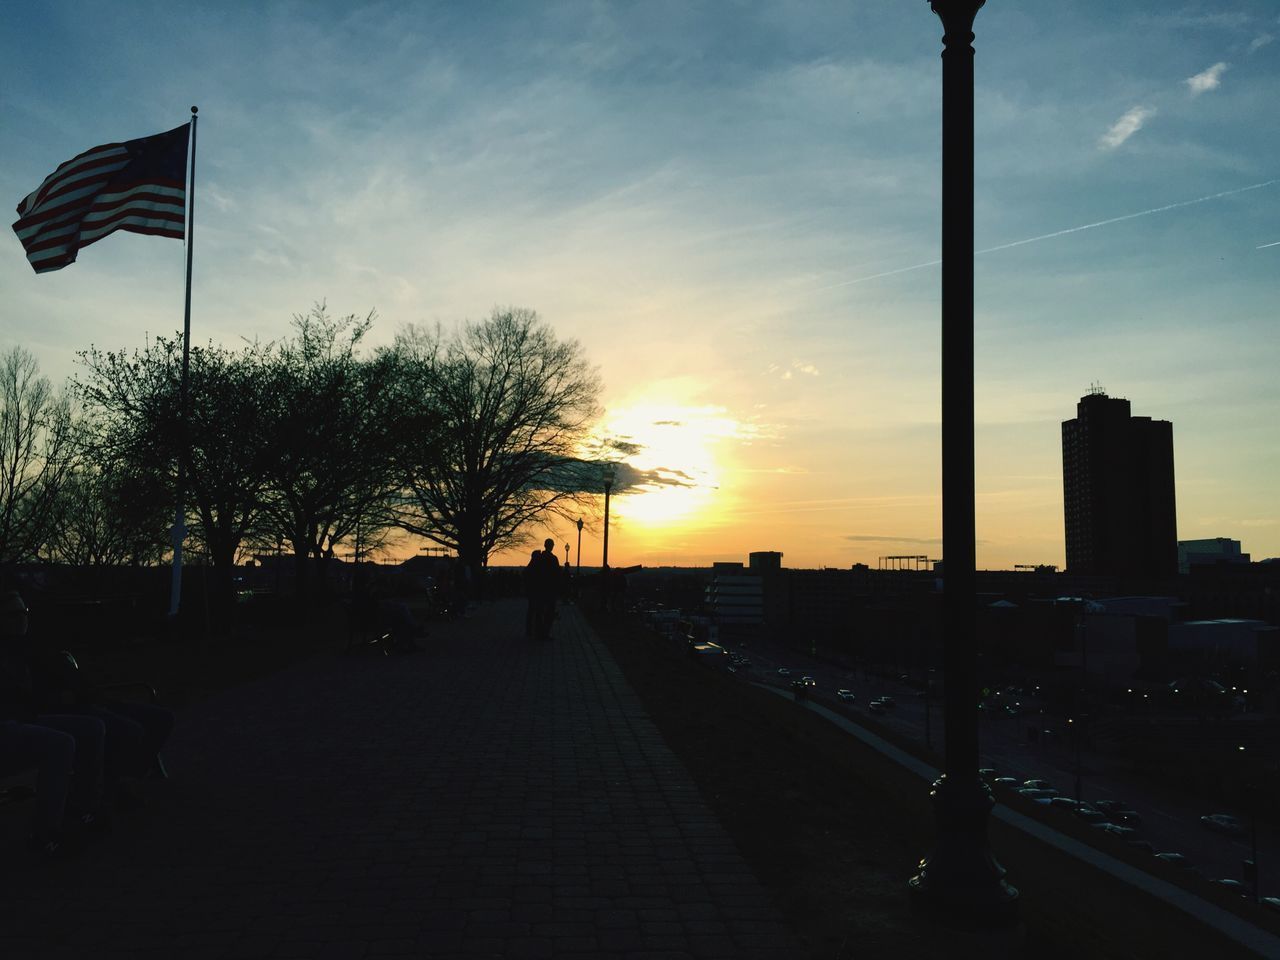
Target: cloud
1207 80
1126 127
797 366
871 539
1260 41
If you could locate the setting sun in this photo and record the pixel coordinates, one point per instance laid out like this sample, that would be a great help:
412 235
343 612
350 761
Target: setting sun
674 451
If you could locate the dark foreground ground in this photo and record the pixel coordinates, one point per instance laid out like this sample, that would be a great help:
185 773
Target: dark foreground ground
485 797
603 796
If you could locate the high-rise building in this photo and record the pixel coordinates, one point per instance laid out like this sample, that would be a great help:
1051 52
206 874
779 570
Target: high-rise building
1117 481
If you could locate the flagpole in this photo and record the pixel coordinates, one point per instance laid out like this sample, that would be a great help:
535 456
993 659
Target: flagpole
179 519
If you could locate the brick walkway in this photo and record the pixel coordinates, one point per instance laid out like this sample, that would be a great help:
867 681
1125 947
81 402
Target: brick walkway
485 797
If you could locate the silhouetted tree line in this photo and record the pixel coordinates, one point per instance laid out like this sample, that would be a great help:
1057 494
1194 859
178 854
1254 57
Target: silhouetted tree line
462 437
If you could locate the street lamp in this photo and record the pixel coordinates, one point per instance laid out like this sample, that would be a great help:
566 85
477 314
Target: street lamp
578 562
609 472
960 881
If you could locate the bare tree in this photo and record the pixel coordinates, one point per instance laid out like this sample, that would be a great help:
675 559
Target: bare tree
503 406
329 426
110 514
36 453
134 400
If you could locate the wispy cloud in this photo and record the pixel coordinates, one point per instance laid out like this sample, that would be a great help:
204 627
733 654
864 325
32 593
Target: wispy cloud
1207 80
871 539
1126 127
797 366
1260 41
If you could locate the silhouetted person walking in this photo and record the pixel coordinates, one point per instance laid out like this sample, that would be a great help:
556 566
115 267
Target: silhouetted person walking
545 579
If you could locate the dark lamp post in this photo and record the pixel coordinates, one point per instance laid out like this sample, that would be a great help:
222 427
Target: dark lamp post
608 473
960 882
578 555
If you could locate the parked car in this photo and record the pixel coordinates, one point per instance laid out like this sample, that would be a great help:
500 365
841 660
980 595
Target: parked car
888 701
1009 783
875 706
846 695
1271 903
1224 823
1065 803
1175 860
784 672
1115 830
1035 784
1108 806
1039 795
1089 815
987 773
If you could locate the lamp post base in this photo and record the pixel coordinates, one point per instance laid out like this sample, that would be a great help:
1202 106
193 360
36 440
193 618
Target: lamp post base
961 884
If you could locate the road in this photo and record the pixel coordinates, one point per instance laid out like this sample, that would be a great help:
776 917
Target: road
1169 822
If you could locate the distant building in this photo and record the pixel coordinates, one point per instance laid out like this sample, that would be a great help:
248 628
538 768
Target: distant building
735 599
765 561
1118 491
1216 550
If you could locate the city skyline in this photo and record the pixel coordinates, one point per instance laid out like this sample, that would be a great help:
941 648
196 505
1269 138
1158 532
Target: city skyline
737 217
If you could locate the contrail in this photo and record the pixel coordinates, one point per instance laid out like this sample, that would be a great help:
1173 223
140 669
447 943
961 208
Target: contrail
1060 233
1265 245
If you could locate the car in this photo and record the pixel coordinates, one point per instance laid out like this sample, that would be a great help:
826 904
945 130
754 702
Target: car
1223 823
784 672
1115 830
1007 782
888 701
1143 846
1108 806
875 706
807 681
1066 803
1040 795
1036 784
1271 903
846 695
1128 818
1176 860
986 773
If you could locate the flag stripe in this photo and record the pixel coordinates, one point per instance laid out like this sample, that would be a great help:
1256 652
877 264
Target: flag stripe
86 162
138 186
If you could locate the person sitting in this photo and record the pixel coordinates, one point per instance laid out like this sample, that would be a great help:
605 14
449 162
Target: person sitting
134 732
386 617
65 750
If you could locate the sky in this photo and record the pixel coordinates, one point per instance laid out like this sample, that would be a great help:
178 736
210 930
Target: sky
734 208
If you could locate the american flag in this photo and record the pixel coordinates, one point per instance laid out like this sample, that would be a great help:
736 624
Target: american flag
139 185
